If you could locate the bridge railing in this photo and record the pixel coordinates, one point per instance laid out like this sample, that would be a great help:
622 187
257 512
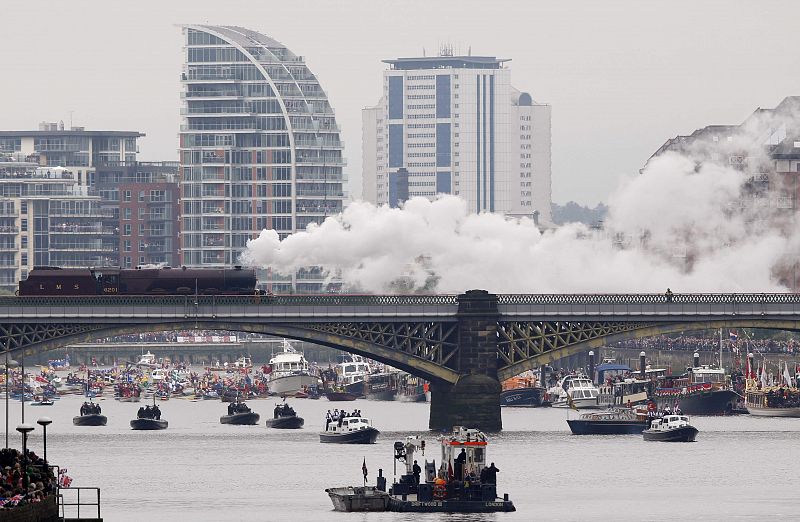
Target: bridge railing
544 299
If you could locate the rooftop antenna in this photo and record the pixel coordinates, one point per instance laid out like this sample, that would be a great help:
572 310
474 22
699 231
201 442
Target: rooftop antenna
469 51
423 52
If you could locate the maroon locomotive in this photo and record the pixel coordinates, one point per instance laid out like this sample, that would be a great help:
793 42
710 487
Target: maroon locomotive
49 280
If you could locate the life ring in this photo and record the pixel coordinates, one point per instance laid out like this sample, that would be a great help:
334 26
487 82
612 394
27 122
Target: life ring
439 491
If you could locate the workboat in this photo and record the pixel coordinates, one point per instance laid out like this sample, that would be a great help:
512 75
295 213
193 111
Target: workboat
412 389
289 372
703 390
349 430
574 391
671 428
340 396
358 498
613 421
522 391
381 386
351 374
240 414
285 418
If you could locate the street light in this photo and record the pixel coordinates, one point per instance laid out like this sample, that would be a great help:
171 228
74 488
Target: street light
44 422
10 363
25 429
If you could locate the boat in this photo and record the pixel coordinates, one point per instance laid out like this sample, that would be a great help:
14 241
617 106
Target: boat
149 419
91 415
671 428
574 391
148 360
289 372
349 430
412 389
613 421
285 418
90 419
381 386
240 415
703 390
42 402
349 375
773 401
359 498
462 484
340 396
522 391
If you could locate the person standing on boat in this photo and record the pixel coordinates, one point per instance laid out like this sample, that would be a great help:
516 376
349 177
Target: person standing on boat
459 464
491 474
416 470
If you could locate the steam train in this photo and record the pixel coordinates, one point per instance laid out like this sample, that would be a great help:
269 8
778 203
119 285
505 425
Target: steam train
54 281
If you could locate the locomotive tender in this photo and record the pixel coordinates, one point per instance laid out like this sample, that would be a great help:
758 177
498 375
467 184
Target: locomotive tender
55 281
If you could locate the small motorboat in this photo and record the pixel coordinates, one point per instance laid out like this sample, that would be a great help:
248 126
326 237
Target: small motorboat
350 430
358 498
240 415
90 419
149 424
337 396
671 428
285 418
42 402
149 419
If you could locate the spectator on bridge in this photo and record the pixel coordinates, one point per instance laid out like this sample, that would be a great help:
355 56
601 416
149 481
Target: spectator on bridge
668 294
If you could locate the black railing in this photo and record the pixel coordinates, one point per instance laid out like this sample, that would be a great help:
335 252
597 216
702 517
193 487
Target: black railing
544 299
67 509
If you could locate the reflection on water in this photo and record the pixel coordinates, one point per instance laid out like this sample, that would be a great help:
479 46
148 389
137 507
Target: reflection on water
741 468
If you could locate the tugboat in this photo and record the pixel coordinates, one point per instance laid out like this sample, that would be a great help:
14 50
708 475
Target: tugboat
522 391
285 418
240 414
613 421
671 428
353 429
90 416
149 419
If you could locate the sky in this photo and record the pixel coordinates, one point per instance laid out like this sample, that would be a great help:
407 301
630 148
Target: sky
622 76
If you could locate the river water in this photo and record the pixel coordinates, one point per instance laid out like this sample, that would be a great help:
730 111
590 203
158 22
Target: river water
741 468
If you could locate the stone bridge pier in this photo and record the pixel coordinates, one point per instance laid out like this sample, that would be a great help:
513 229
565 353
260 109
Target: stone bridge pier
474 400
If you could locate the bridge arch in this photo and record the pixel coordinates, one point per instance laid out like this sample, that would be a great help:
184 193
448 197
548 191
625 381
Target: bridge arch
53 337
638 332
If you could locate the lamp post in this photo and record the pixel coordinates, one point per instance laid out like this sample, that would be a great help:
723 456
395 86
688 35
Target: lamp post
25 429
44 422
10 363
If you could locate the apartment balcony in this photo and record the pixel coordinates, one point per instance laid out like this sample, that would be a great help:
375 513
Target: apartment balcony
212 95
6 229
81 229
80 247
8 247
785 202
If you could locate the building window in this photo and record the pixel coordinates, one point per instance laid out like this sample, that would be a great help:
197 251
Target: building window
141 196
24 243
23 207
24 259
24 225
126 213
127 245
141 229
142 212
126 229
126 196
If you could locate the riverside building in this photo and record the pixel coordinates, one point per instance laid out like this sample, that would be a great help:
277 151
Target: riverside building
48 218
455 125
259 148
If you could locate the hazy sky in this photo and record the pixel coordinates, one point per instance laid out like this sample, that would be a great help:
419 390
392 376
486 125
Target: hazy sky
622 76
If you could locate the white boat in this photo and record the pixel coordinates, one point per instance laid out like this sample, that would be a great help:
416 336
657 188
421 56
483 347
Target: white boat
148 360
243 363
159 374
352 374
574 390
289 372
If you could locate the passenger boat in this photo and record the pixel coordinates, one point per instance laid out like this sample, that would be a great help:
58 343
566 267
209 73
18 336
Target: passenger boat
285 418
574 390
522 391
773 401
351 374
351 430
411 389
92 419
613 421
671 428
462 484
240 414
289 372
381 386
703 390
148 360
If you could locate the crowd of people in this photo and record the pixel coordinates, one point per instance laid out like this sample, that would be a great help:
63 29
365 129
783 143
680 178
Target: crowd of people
705 344
148 412
238 407
90 408
338 416
13 468
284 410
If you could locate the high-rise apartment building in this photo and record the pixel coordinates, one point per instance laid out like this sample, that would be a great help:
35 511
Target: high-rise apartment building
259 147
48 218
455 125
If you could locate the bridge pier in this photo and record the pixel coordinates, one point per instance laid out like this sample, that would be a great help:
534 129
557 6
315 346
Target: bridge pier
474 400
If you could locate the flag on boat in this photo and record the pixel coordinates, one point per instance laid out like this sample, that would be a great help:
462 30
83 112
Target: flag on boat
364 468
764 382
733 336
786 376
571 402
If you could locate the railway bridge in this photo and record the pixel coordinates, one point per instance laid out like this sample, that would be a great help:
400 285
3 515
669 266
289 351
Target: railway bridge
464 344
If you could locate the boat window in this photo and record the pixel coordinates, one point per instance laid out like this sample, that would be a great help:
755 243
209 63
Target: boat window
685 419
344 423
350 368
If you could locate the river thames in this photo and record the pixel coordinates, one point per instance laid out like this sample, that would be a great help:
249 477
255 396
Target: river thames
741 468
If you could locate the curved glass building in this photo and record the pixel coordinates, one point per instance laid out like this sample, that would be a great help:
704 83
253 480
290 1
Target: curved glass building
259 147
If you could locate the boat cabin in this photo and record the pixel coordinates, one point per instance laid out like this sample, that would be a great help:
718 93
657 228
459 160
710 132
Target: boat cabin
349 424
463 453
669 422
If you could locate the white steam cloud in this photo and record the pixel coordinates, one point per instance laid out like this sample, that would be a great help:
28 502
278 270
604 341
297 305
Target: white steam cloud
689 224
